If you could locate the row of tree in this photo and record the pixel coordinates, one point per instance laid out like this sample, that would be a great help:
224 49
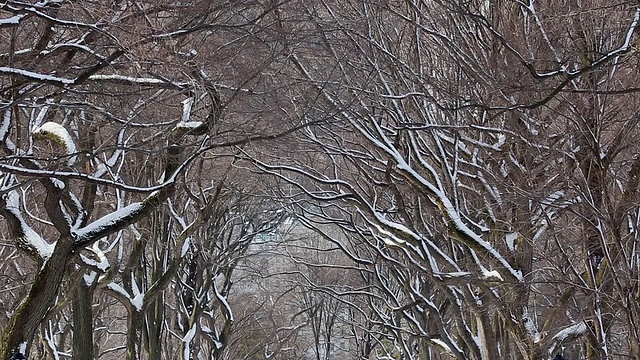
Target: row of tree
317 179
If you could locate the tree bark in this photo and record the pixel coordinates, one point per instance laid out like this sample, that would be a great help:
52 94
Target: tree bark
134 335
82 323
18 334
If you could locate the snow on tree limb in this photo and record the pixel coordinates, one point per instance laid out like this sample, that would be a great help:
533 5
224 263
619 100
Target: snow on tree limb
46 78
119 219
567 334
11 21
26 237
18 170
58 134
139 81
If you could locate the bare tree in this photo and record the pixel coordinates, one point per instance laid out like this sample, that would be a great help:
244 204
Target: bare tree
108 109
481 158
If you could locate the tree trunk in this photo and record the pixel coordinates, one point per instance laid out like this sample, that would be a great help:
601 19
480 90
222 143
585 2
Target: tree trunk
154 322
82 323
18 334
134 335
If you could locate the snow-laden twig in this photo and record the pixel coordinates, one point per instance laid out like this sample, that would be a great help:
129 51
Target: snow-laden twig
223 301
568 333
109 220
14 20
56 80
27 237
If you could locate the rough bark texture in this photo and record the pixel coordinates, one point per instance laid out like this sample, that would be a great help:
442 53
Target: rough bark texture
82 323
18 334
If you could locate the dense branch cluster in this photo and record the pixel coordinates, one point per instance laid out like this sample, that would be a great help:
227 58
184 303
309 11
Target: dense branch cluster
319 179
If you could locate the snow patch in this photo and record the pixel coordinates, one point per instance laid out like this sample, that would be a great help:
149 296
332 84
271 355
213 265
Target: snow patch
22 348
102 264
187 339
492 275
138 297
6 122
90 278
138 301
108 220
224 302
443 345
530 325
185 247
511 241
387 237
189 125
453 275
119 289
186 109
36 76
59 134
31 238
575 329
121 78
501 140
14 20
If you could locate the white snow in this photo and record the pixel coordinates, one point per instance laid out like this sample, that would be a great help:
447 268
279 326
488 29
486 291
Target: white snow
31 238
6 122
186 109
187 339
138 296
119 289
41 114
224 302
443 345
501 140
101 169
492 275
108 220
104 262
138 301
185 247
51 342
574 329
36 76
121 78
137 80
90 278
14 20
436 189
530 325
463 228
189 125
511 241
102 265
18 268
387 237
22 348
57 183
61 136
79 46
569 331
452 275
